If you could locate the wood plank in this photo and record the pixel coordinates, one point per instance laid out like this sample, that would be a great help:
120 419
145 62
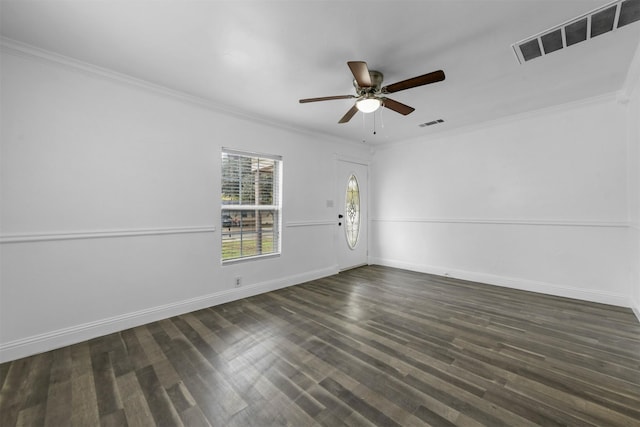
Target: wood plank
136 409
156 396
58 411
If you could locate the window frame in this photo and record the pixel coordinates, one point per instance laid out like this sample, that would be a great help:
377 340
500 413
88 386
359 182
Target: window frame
274 207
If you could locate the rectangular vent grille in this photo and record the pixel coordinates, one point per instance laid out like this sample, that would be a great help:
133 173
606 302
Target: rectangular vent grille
431 123
592 24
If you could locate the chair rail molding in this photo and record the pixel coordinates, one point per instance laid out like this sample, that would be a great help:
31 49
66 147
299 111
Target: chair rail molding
101 234
506 221
310 223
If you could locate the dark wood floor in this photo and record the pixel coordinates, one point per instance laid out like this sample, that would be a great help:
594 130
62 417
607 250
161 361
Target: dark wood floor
371 346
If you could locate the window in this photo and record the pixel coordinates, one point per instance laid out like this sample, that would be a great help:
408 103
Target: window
251 205
352 207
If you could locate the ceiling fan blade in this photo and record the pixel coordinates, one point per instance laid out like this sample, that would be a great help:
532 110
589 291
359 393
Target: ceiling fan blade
361 73
424 79
396 106
326 98
352 112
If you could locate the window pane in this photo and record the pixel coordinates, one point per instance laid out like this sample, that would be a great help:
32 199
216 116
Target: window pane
238 186
264 181
352 207
249 233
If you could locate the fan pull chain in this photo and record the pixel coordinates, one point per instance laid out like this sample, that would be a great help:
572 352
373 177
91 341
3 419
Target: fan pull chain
374 122
364 139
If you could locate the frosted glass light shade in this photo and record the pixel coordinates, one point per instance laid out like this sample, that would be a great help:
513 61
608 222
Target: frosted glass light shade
368 105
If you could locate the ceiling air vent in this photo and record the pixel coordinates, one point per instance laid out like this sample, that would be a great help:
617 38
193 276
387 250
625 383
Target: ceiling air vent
431 123
592 24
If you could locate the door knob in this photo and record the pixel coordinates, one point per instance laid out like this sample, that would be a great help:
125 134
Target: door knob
339 216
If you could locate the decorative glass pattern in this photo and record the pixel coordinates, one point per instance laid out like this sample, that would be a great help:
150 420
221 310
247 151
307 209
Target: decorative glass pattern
352 212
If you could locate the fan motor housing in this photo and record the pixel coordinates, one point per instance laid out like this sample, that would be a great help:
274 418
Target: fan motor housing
376 83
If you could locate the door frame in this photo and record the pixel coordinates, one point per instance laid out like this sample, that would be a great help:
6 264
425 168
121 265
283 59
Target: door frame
339 238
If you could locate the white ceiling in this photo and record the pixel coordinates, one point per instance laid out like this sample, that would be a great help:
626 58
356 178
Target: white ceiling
260 57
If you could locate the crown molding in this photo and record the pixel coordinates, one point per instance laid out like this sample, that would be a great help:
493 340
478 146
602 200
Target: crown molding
632 80
21 49
504 120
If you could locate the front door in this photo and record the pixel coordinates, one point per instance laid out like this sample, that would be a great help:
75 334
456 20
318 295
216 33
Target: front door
352 214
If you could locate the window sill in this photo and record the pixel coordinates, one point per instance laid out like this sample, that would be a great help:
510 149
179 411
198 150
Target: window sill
249 258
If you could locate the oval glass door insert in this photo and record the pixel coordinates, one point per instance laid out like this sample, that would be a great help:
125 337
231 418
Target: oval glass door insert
352 214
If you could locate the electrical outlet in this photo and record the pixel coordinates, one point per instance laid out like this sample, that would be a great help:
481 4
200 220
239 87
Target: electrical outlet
238 282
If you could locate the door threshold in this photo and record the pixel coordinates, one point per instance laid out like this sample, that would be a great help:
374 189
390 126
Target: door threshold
352 267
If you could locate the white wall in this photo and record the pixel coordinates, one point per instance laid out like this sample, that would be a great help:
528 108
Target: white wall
536 202
633 120
110 204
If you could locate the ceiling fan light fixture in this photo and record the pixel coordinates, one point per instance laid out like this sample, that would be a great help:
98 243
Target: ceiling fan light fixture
370 92
368 104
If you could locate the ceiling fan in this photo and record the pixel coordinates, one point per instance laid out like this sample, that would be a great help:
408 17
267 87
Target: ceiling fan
369 90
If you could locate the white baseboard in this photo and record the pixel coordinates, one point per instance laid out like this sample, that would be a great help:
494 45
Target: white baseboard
514 283
55 339
636 309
